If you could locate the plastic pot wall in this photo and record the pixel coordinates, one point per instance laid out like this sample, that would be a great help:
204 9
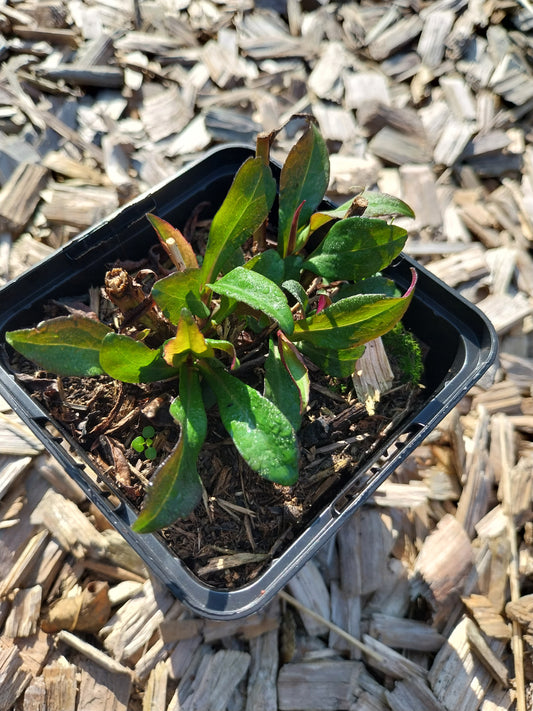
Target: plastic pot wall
460 341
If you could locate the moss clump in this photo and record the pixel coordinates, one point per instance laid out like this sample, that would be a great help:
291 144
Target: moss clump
405 353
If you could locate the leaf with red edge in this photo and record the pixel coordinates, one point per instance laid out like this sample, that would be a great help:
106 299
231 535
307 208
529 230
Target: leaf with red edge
174 243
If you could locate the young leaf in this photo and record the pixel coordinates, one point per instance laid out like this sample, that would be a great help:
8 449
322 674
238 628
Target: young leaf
296 289
304 177
131 361
246 205
353 321
380 204
174 243
176 487
355 248
261 432
258 292
188 339
67 345
296 368
280 388
178 291
227 347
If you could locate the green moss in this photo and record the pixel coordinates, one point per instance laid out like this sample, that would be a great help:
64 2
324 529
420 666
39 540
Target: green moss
405 352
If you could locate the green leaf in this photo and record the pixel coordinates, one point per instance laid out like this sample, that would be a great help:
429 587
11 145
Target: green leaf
245 207
131 361
67 345
338 363
174 243
296 368
293 267
355 248
269 264
296 289
177 487
376 284
304 177
188 339
177 291
261 432
380 204
227 347
280 388
353 321
258 292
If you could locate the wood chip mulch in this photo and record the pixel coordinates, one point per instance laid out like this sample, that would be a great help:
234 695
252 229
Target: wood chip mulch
424 598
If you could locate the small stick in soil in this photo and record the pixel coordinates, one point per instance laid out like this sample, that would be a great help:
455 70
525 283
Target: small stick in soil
333 627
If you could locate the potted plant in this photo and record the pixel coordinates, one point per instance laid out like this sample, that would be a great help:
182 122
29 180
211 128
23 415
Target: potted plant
277 299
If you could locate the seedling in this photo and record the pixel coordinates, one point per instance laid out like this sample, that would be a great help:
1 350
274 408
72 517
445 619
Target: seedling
309 290
144 443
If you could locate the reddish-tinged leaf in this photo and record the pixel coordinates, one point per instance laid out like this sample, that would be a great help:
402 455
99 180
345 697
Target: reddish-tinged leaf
175 244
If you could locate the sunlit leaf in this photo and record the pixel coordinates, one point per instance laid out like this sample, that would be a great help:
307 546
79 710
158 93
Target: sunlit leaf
353 321
226 347
261 432
258 292
188 340
246 205
178 291
298 292
355 248
176 487
67 345
174 243
380 204
131 361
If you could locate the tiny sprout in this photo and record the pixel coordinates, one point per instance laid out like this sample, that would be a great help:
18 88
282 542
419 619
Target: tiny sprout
144 442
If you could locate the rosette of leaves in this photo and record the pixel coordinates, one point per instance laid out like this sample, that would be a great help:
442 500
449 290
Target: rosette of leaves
323 302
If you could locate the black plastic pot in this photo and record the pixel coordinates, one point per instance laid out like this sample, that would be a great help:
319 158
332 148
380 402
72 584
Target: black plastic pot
461 346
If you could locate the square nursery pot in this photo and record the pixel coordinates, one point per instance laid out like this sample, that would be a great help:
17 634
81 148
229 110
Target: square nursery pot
460 346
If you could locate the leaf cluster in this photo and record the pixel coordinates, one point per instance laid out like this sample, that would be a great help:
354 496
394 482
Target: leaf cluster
311 289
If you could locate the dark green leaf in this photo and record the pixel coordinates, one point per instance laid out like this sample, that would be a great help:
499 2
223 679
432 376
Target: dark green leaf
355 248
68 345
245 207
177 487
280 388
293 362
296 290
131 361
177 291
376 284
261 432
256 291
353 321
269 264
293 267
338 363
304 177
